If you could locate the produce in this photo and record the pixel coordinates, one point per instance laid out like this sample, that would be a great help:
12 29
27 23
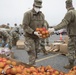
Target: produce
43 32
11 67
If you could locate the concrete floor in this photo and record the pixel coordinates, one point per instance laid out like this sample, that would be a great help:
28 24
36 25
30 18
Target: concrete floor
55 60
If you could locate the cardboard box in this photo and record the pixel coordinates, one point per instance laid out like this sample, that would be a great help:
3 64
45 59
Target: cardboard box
59 41
55 46
48 48
63 49
20 44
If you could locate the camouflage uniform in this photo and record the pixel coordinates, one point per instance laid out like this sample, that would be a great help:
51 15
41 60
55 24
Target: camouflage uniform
15 37
70 22
6 38
31 21
21 31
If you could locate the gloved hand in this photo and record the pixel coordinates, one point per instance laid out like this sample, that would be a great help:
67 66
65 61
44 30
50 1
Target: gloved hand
37 34
51 30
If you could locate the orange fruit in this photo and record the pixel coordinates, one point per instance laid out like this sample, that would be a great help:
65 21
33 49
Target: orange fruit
40 29
46 32
1 59
19 70
13 63
1 74
47 35
4 59
9 74
13 70
33 69
2 64
27 70
44 28
1 70
18 74
43 32
57 72
22 67
43 36
8 71
37 29
34 73
8 61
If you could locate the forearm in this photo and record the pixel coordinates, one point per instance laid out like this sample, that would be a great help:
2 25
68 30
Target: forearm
61 25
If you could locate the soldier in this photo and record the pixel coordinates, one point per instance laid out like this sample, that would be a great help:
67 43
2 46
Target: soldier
16 27
21 31
15 36
6 39
70 22
7 26
33 19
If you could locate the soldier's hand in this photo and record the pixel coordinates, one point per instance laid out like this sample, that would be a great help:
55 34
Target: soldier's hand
51 30
37 34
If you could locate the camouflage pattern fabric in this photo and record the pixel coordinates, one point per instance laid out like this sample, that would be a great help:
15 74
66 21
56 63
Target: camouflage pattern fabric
69 22
31 21
42 44
72 49
7 38
31 46
15 37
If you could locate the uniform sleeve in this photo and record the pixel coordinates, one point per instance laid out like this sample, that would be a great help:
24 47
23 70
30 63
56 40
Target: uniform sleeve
66 20
43 19
46 25
26 23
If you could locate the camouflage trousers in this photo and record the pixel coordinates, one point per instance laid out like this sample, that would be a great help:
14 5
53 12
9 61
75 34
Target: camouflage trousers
72 49
14 41
42 44
31 46
47 41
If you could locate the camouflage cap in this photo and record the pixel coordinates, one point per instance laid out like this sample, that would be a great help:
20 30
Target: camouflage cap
38 3
69 3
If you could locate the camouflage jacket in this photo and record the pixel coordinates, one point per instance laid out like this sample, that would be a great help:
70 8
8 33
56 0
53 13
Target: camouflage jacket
31 21
69 21
14 35
46 25
6 37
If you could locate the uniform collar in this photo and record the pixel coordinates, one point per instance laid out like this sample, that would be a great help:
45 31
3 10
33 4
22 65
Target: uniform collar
34 12
71 8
